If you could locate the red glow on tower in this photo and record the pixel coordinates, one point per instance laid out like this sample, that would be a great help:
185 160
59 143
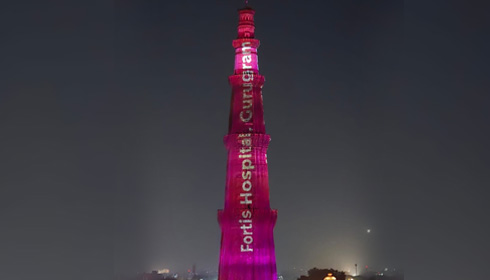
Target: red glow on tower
247 221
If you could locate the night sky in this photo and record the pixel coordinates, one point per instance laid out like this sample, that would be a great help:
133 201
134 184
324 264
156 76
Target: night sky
112 115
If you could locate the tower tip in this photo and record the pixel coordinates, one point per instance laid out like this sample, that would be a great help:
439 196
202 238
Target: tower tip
246 7
246 26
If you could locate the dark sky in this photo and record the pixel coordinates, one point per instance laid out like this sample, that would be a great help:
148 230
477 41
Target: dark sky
112 116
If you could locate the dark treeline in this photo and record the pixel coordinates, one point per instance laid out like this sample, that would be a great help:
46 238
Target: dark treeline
320 274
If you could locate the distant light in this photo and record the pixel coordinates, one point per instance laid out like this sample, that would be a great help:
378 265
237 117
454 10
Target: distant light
368 230
386 269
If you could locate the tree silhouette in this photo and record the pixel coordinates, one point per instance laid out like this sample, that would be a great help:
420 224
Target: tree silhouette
320 274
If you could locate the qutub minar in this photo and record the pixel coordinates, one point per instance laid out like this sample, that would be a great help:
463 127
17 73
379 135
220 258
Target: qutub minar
247 221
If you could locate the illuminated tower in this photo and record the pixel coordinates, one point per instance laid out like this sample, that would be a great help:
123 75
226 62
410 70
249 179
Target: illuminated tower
247 221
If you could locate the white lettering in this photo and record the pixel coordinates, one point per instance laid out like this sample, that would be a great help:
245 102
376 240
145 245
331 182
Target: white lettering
247 104
249 89
247 164
248 143
248 75
246 186
248 117
247 214
246 175
247 59
246 154
248 240
245 95
246 201
246 249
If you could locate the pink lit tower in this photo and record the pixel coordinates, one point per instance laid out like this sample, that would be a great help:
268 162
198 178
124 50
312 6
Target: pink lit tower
247 221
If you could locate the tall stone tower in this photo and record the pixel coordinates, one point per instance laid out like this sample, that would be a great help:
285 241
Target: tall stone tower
247 221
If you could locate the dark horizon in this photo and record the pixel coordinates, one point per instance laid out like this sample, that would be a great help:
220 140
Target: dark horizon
113 115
